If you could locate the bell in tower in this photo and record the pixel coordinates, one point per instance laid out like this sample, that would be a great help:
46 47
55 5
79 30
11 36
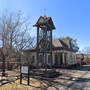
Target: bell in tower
44 40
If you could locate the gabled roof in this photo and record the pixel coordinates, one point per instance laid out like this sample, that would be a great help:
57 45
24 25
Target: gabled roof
43 20
58 44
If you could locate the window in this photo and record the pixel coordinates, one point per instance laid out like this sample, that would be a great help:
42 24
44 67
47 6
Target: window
70 54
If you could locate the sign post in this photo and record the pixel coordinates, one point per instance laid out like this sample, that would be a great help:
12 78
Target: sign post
24 71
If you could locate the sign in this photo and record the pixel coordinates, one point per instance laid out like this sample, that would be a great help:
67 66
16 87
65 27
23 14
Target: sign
24 69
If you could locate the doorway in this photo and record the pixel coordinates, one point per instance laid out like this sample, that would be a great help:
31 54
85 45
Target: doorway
56 59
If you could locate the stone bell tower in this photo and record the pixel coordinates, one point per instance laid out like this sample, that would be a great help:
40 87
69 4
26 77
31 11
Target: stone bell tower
44 40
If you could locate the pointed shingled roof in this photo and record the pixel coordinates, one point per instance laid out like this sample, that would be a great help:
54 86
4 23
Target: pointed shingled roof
43 20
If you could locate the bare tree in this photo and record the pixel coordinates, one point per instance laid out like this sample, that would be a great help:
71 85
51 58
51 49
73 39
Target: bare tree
86 51
15 31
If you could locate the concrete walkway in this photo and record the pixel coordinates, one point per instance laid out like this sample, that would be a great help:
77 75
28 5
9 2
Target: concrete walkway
78 79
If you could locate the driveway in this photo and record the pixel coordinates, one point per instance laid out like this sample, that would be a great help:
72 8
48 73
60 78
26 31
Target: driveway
76 79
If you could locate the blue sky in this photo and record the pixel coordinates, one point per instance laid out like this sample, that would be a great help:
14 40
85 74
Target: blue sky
71 17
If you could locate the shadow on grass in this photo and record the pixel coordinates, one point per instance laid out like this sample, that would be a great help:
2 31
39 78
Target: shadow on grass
47 79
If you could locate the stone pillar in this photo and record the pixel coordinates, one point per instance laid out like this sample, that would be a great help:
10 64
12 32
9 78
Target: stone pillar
53 58
63 58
